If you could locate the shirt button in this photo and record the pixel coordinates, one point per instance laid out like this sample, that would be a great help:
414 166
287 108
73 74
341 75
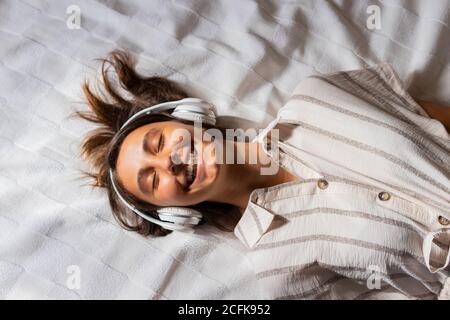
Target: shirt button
444 221
322 184
384 196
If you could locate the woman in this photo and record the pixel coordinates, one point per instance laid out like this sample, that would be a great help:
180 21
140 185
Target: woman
358 205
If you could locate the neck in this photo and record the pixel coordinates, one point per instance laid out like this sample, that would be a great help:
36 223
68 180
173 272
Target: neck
246 173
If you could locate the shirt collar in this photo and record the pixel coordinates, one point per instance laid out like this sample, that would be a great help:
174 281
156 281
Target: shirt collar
255 221
263 133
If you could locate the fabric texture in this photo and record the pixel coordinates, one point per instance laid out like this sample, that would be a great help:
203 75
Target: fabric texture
372 202
243 56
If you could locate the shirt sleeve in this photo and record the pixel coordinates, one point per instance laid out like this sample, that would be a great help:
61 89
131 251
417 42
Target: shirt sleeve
383 88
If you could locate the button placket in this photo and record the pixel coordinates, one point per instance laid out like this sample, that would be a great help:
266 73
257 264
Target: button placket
408 209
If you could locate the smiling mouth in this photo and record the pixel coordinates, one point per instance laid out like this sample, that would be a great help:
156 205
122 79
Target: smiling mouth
191 168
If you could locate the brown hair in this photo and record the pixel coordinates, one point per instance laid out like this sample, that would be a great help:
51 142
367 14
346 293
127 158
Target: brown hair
110 110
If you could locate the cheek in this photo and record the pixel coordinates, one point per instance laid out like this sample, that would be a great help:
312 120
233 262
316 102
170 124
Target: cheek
211 159
212 170
169 191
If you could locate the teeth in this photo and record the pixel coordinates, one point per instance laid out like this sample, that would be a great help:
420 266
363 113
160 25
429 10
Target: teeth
190 169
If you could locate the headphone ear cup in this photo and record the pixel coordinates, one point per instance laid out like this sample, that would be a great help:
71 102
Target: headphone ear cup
192 100
179 215
197 112
182 211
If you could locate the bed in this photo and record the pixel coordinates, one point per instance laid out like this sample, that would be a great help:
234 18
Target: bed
58 239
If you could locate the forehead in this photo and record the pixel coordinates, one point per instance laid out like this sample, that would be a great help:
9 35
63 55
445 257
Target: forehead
133 140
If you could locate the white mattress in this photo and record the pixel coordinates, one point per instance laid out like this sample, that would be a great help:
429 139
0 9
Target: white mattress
244 56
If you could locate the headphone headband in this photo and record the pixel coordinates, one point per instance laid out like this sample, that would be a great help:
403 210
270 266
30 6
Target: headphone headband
192 109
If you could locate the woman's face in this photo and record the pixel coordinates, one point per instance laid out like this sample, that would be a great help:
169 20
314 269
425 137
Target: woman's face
155 164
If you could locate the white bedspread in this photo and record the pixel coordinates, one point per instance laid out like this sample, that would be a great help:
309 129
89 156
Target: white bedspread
244 56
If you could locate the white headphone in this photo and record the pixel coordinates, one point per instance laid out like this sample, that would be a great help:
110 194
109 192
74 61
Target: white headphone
191 109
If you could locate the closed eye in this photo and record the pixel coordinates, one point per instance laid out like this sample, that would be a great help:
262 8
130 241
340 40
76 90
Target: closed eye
161 142
142 179
155 181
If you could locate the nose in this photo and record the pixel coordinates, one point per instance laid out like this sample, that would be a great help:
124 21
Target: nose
170 163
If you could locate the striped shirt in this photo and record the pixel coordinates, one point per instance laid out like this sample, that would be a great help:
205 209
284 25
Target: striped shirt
369 216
